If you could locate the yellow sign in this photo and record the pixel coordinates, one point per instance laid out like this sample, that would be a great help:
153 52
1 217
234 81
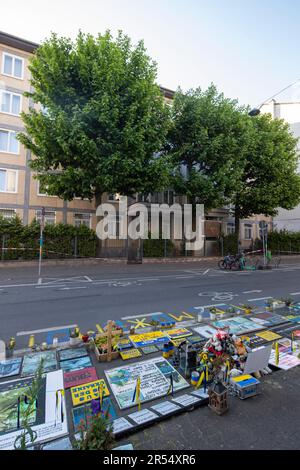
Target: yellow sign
179 333
183 317
268 335
130 354
149 338
88 392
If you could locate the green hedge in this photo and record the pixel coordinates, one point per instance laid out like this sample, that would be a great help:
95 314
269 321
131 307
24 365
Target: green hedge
284 241
158 248
60 241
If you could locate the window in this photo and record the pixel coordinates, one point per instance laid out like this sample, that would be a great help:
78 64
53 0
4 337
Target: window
230 228
7 213
8 181
9 142
42 190
49 218
10 103
13 66
82 219
248 231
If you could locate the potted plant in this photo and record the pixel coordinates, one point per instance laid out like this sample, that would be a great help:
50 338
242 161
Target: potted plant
74 337
247 309
213 313
154 324
10 346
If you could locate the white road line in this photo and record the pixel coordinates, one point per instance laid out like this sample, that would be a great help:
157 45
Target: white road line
146 315
261 298
147 280
295 293
252 291
88 279
18 285
45 330
50 287
184 277
208 306
72 288
206 272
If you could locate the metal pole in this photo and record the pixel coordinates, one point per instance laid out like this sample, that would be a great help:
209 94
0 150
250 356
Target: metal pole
42 221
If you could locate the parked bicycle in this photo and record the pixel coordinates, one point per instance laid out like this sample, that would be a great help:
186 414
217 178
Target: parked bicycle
233 262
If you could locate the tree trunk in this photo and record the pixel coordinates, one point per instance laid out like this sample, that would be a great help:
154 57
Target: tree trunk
237 217
98 201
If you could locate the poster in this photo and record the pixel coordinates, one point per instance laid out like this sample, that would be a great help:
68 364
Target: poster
286 361
9 393
237 325
179 333
143 416
88 392
66 354
268 335
130 354
121 425
155 381
31 362
165 408
10 367
147 339
149 349
48 424
76 364
124 344
82 414
206 331
79 377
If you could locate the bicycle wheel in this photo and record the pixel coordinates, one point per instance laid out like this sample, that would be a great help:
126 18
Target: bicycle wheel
222 265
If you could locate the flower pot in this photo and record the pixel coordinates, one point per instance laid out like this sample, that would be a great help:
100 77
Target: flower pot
75 341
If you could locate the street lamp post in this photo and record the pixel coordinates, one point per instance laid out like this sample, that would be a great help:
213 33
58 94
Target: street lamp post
42 225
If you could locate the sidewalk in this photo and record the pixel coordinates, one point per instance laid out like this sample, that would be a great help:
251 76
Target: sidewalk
268 421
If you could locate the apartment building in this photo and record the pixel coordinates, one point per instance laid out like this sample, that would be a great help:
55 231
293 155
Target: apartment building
287 108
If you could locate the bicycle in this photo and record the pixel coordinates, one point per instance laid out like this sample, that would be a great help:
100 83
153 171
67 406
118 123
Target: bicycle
232 262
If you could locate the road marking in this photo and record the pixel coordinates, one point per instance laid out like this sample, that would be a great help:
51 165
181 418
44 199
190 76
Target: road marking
88 279
261 298
45 330
295 293
146 315
50 287
206 272
252 291
72 288
147 280
184 277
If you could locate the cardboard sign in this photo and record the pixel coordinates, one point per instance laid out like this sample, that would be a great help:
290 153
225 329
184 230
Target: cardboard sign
130 354
179 333
143 416
258 359
79 377
88 392
149 338
268 335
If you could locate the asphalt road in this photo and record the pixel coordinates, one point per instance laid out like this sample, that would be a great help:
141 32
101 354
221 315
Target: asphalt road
92 295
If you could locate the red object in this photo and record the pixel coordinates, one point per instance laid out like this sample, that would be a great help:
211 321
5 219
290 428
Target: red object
79 377
85 338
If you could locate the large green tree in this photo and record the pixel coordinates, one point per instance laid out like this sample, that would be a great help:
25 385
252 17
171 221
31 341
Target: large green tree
207 140
270 178
222 156
101 119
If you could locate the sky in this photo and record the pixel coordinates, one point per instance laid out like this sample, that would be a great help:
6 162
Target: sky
248 48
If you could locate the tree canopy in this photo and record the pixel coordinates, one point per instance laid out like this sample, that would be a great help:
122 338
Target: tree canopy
222 156
270 178
207 139
101 120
